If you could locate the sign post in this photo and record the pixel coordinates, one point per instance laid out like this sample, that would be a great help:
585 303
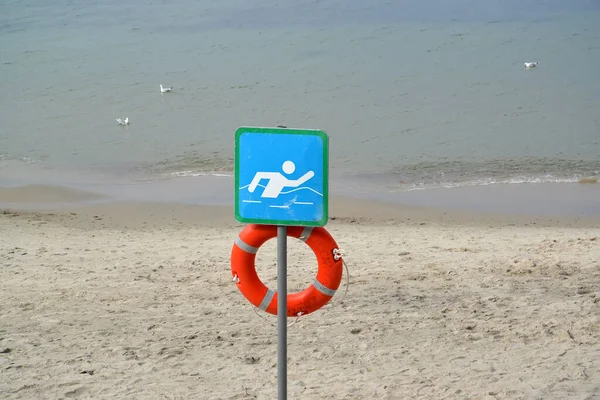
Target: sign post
281 312
281 178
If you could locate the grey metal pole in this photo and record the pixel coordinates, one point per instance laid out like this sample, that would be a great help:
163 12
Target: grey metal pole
282 312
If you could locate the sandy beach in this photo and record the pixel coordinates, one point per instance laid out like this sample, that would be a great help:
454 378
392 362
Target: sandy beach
131 301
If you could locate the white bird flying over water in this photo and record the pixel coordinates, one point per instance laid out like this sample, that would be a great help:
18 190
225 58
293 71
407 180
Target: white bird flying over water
531 64
123 121
165 89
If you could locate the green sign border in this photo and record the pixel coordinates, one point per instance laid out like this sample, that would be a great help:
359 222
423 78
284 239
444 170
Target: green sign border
283 131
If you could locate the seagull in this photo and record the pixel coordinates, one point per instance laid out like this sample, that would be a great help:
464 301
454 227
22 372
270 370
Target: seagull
165 89
123 121
531 64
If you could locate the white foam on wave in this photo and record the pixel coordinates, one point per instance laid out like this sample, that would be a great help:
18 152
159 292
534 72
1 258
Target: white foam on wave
494 181
20 159
181 174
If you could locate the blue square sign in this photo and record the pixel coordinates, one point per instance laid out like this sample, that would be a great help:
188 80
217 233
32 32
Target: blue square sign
281 176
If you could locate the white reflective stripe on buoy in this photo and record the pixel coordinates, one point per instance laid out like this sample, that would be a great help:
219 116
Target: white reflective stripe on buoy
323 289
306 233
266 300
245 246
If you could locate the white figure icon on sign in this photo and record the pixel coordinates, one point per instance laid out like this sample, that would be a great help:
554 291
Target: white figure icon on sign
277 181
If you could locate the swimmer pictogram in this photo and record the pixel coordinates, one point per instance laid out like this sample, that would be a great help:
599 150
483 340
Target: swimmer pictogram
277 181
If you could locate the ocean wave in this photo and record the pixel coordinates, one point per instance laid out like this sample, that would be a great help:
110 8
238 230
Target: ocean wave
449 174
12 159
190 164
200 173
509 181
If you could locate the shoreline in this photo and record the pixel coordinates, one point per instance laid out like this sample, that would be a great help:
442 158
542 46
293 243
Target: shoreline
84 209
548 201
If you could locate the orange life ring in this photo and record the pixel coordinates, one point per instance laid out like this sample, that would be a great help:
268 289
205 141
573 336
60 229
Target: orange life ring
322 289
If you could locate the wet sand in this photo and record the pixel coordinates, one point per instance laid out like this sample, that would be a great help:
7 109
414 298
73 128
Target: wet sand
571 200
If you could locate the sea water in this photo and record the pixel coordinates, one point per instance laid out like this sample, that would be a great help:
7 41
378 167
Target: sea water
413 94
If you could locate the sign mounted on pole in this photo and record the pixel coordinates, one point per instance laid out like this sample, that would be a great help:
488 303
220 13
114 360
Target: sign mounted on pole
281 176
